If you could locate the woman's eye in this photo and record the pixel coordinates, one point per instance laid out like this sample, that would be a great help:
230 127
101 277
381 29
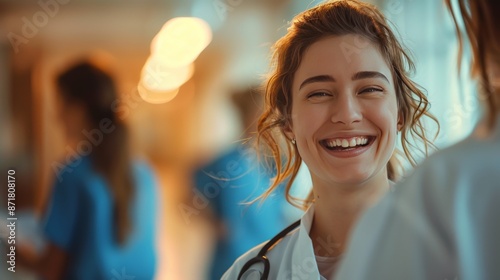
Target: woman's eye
371 89
318 94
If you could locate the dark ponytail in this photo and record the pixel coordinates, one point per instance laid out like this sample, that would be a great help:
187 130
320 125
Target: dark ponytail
93 88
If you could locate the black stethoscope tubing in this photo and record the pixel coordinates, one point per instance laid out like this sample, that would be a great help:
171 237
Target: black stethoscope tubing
261 256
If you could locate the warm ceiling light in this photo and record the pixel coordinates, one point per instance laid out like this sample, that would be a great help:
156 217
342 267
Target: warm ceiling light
180 41
156 97
159 77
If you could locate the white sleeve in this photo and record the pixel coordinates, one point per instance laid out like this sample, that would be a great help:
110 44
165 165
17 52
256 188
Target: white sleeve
402 237
478 232
441 223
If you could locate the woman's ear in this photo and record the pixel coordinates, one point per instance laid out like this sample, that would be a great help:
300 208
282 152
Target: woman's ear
400 121
287 130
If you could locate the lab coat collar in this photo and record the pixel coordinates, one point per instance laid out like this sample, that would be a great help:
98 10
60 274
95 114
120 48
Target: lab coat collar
304 264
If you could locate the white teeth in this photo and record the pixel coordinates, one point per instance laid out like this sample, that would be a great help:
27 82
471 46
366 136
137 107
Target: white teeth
352 142
346 143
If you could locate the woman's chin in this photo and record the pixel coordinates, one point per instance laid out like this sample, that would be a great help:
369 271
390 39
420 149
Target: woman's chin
352 178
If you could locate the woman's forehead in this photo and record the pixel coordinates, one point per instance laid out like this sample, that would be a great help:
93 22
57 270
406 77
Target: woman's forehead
341 56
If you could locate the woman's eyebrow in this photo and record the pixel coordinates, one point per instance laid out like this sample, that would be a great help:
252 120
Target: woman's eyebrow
356 76
320 78
368 74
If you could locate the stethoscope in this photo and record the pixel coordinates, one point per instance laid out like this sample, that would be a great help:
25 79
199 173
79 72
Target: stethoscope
261 256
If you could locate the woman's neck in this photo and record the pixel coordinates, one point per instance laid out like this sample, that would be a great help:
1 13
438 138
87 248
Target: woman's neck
336 209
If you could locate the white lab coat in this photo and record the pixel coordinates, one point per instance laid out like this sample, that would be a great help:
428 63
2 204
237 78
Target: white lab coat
443 222
292 258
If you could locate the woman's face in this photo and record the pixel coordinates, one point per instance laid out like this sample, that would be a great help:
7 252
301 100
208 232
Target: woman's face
344 112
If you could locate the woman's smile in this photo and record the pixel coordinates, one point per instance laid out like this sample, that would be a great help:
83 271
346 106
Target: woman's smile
345 147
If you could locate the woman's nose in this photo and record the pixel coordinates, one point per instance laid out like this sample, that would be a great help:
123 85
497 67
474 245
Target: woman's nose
346 110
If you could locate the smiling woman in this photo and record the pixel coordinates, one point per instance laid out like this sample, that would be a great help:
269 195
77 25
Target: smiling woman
356 103
337 98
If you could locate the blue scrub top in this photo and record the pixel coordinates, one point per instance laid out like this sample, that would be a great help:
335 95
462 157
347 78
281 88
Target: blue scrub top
79 221
227 183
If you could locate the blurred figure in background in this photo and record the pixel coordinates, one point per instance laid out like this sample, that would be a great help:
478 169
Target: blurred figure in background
442 222
231 180
100 221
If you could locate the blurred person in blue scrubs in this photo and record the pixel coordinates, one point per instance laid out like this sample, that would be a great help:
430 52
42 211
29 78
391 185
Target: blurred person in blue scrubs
443 221
230 182
100 221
